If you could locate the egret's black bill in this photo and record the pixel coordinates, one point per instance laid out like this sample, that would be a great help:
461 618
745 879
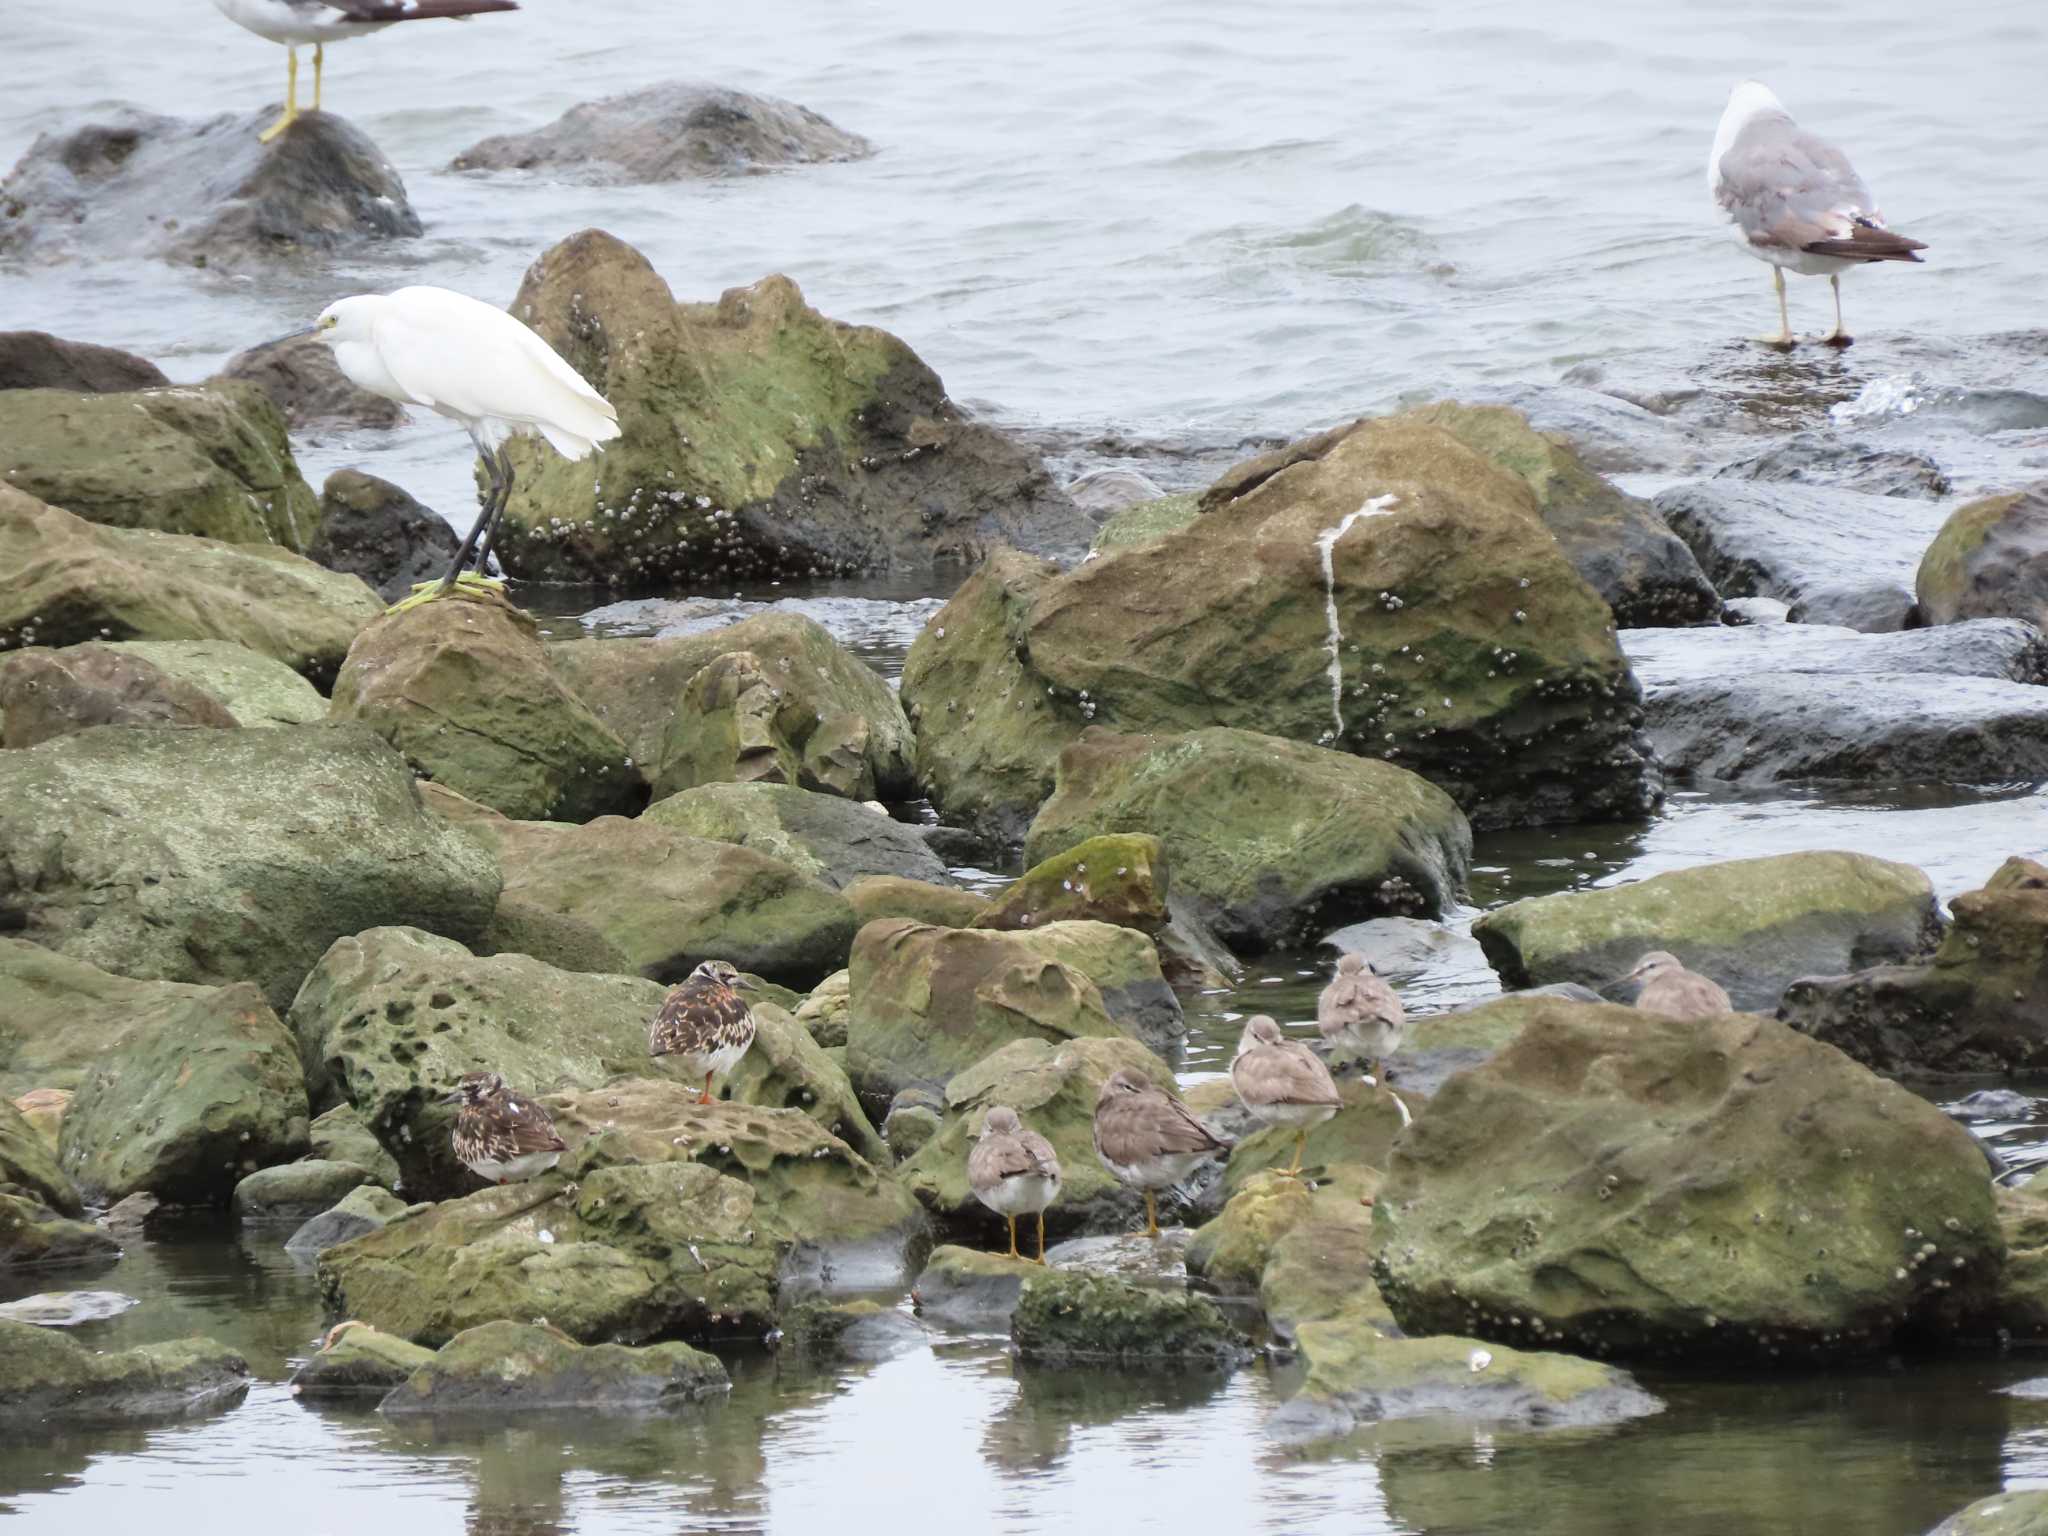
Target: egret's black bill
275 341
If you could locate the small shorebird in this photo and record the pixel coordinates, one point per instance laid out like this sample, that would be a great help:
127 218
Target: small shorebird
1283 1082
1361 1013
705 1023
1014 1172
1147 1138
499 1135
1795 201
296 23
1676 993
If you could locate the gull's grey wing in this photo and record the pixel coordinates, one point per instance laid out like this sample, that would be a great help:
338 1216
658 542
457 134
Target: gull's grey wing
403 10
1785 187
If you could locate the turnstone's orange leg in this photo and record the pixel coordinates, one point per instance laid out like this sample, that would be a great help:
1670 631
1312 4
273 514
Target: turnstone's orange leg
705 1097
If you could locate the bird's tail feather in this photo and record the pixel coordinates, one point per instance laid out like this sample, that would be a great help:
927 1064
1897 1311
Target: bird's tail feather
1871 243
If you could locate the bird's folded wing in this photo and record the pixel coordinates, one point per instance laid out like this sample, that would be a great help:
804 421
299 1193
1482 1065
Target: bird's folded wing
414 10
1000 1157
1289 1074
1787 188
1153 1126
528 1127
692 1017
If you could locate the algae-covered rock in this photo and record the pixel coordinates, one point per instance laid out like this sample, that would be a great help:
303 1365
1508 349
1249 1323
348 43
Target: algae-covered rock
2023 1512
186 1117
363 1209
968 1288
1063 1316
1118 878
823 1013
463 688
1990 560
943 906
1380 589
30 1167
64 580
2021 1308
1269 840
339 1136
1231 1250
32 1233
1144 521
931 1002
758 439
826 837
1320 1268
1980 1005
255 689
1054 1086
1752 924
392 1018
1360 1133
45 694
221 856
640 897
210 460
785 1068
46 1377
511 1367
1356 1374
358 1359
1621 1183
294 1192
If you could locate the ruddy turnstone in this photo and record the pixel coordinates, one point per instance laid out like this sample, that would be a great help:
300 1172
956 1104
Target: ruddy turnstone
705 1023
500 1135
1671 990
1014 1172
1148 1139
1283 1082
1361 1013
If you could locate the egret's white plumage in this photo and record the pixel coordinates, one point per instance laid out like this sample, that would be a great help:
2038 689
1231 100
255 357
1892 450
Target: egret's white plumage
475 364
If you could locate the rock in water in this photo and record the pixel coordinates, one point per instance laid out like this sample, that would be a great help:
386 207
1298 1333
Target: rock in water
46 1377
508 1367
28 1166
1823 458
46 694
1065 1318
372 529
760 440
363 1209
2022 1513
307 386
297 1192
33 1234
824 837
1990 560
200 193
1616 1183
357 1359
1491 671
221 856
675 131
38 360
1753 925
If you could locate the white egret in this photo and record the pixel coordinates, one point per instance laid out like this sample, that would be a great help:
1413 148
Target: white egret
473 363
320 22
1795 201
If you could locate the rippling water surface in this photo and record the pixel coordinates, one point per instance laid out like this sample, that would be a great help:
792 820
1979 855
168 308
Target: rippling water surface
1147 234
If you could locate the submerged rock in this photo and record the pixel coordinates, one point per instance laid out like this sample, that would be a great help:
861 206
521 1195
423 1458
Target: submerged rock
67 1309
968 1288
209 460
361 1210
759 439
510 1367
307 386
372 529
45 694
1063 1316
1990 560
849 1330
357 1359
1822 458
64 580
1980 1005
204 193
1753 925
220 856
1623 1184
47 1378
825 837
1270 840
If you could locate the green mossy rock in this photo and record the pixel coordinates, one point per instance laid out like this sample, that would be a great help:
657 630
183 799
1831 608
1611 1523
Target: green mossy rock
294 1192
462 686
339 1136
363 1209
968 1288
45 694
1361 1133
356 1361
32 1233
1467 648
509 1367
758 439
1064 1316
1989 561
642 898
1119 878
2022 1306
1054 1086
931 1002
1357 1374
187 1116
2021 1513
827 838
222 856
943 906
392 1018
64 580
46 1377
1320 1268
1754 925
28 1166
1231 1251
1144 521
786 1069
1625 1184
823 1014
1270 841
258 690
210 460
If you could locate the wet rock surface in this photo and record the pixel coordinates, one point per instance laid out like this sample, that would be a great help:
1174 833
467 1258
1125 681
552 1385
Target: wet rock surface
356 1360
38 360
824 837
1065 1317
2023 1512
46 694
1990 560
33 1234
1819 458
372 529
302 379
363 1209
47 1378
509 1367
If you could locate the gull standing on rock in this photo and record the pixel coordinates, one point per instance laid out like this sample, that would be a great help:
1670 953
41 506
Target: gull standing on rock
1014 1172
1795 201
1283 1082
705 1023
1361 1013
296 23
499 1135
1148 1139
1674 992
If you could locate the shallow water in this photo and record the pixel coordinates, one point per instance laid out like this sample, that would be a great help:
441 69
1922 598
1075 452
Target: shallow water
1147 235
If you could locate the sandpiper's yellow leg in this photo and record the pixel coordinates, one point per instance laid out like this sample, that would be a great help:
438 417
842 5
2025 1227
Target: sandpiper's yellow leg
1293 1170
319 51
291 98
1151 1214
1013 1239
1041 1237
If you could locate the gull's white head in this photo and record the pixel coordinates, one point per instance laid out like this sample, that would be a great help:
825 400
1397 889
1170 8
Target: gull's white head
347 319
1747 102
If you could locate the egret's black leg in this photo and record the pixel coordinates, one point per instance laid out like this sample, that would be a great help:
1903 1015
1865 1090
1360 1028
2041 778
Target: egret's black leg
483 550
483 520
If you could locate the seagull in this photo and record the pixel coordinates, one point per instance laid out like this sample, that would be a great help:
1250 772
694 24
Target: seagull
320 22
1672 991
1147 1137
474 364
1795 201
704 1022
1362 1013
1014 1172
1283 1082
498 1135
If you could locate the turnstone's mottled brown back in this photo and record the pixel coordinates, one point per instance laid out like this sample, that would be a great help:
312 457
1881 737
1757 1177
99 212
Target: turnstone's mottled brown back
702 1014
495 1124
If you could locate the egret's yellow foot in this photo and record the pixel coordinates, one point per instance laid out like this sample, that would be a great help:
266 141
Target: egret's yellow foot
427 591
291 99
